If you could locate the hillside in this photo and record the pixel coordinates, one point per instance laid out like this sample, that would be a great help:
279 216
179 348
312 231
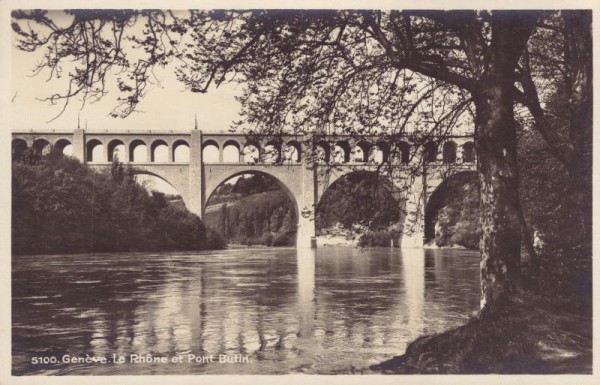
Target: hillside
265 218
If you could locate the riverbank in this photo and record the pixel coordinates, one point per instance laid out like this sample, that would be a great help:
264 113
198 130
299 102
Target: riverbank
523 338
61 206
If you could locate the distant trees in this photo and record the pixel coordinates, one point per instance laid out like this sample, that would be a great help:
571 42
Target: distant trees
62 206
253 210
243 186
452 213
361 203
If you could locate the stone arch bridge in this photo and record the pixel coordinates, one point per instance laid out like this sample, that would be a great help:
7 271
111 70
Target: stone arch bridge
196 162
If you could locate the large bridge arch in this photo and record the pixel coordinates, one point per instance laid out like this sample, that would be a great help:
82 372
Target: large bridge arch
281 185
137 172
176 177
380 199
291 179
327 176
434 202
181 188
214 183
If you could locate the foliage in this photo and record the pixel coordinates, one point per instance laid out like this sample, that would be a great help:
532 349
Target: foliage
62 206
243 186
457 224
379 239
253 210
557 223
453 213
360 198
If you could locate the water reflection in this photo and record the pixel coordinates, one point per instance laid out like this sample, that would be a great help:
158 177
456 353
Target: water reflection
306 293
413 261
312 311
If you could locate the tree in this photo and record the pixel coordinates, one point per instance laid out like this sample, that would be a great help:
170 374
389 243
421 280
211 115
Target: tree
62 206
558 63
350 72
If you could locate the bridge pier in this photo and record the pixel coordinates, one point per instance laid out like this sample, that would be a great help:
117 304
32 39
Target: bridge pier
413 232
195 201
79 145
413 241
306 232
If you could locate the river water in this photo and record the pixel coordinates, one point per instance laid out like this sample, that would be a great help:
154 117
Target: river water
258 311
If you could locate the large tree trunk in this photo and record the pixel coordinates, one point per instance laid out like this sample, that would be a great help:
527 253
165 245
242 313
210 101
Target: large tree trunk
496 141
500 244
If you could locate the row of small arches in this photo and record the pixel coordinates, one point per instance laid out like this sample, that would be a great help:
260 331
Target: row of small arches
95 152
252 152
179 152
159 151
339 152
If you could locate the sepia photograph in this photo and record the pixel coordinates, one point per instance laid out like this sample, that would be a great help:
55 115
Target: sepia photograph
364 191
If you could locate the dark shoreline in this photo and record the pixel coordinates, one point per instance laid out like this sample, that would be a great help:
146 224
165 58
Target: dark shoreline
524 338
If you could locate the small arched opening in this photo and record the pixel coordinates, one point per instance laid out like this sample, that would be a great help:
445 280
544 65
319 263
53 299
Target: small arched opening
271 153
19 146
378 153
41 147
138 152
404 150
449 152
360 152
321 153
468 152
210 152
430 152
64 146
116 151
159 151
251 153
94 151
341 152
292 152
231 152
181 151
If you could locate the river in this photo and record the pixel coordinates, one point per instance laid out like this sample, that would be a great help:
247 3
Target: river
239 311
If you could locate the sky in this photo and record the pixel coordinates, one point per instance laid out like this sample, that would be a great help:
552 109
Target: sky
165 107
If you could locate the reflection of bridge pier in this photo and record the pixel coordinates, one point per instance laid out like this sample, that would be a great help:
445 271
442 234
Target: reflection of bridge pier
413 268
306 292
197 162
